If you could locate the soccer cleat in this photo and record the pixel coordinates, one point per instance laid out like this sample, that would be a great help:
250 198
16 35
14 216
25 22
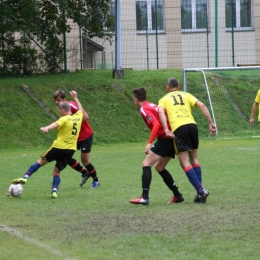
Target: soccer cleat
204 196
84 179
54 195
176 199
201 198
20 180
95 184
140 200
197 198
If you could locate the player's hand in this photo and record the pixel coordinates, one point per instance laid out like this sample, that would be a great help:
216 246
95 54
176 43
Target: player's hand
73 93
169 133
147 148
213 129
252 121
44 129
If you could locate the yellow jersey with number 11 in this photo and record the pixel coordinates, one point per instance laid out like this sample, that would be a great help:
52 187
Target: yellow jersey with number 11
178 108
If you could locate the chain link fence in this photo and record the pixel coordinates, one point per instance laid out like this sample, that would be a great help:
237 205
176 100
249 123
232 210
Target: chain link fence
163 34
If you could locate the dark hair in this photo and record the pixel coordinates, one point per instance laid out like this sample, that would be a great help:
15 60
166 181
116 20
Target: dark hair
140 94
64 105
173 83
59 94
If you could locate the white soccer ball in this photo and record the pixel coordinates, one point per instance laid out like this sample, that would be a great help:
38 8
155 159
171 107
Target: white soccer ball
15 190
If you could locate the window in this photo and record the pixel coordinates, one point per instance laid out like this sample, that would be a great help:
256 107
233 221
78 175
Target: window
238 14
113 13
194 15
149 16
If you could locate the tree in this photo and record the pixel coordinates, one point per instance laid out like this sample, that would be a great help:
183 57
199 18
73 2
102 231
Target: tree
45 21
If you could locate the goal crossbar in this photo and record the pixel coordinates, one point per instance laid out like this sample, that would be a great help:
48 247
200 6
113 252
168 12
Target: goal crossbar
203 70
184 83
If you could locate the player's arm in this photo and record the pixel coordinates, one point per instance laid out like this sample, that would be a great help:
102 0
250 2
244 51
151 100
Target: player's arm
85 116
163 120
154 133
74 94
205 112
45 129
253 112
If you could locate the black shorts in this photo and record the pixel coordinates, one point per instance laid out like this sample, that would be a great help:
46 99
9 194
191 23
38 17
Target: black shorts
61 156
85 145
164 147
187 138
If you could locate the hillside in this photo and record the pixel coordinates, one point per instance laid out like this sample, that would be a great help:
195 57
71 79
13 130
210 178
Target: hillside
108 102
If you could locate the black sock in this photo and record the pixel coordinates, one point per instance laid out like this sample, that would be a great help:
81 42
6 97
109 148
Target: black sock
146 181
74 164
168 180
92 172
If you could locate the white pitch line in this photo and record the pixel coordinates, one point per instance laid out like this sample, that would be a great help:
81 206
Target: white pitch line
33 241
248 149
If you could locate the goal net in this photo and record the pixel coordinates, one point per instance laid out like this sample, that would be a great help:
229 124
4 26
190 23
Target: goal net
229 94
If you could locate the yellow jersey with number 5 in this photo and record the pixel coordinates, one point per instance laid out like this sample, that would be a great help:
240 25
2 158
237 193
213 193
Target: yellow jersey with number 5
178 108
69 128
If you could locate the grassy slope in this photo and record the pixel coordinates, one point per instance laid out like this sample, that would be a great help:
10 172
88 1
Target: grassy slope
113 115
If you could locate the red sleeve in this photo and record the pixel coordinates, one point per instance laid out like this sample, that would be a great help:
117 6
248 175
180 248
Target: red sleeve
154 132
73 107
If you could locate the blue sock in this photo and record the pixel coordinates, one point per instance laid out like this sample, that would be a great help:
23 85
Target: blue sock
55 183
197 169
31 170
191 174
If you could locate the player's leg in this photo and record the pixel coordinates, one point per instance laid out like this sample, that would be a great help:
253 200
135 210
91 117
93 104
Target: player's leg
199 198
62 158
150 159
195 163
85 147
75 165
190 173
32 169
55 182
168 179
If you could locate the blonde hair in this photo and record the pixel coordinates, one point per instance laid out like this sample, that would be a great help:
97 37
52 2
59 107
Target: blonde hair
65 106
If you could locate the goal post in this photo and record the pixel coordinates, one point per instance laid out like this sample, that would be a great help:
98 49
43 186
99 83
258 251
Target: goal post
219 89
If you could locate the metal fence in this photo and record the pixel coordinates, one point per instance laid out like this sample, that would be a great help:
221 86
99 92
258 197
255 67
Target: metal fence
163 34
158 34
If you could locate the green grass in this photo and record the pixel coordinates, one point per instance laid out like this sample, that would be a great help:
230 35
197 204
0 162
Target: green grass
100 223
109 104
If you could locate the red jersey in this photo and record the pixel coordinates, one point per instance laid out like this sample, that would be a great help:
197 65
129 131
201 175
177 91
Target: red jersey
86 130
150 115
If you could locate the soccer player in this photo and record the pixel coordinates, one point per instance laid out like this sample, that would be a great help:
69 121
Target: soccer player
255 107
160 153
84 143
63 148
177 104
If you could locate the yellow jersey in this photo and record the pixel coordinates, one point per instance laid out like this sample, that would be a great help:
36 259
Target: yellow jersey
257 99
178 108
69 128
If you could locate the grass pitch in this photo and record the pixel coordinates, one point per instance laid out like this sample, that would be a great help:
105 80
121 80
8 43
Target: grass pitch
93 224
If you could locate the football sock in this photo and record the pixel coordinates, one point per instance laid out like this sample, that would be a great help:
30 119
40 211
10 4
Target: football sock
92 172
74 164
197 169
191 174
146 181
31 170
168 180
55 182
